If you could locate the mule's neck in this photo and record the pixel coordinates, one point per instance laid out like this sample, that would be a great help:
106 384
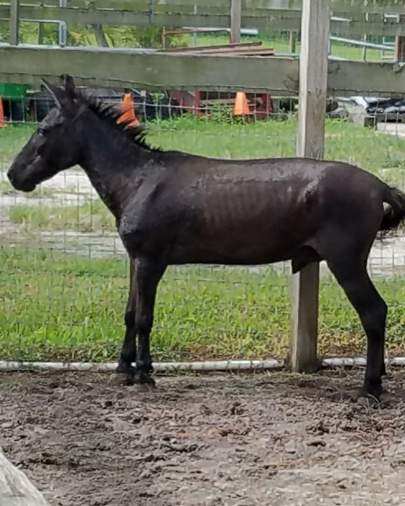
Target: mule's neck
115 165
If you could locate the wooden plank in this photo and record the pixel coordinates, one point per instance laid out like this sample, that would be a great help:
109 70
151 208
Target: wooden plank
189 49
370 6
387 6
279 20
143 68
14 22
236 16
112 17
230 51
357 27
15 487
83 16
104 4
149 69
310 143
359 78
353 6
336 5
237 52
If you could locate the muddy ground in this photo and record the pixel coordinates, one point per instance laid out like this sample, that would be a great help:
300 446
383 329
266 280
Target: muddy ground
240 440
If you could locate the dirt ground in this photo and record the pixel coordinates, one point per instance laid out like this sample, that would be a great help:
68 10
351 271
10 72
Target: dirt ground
240 440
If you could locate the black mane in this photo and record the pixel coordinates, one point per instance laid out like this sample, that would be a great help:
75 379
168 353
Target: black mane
111 113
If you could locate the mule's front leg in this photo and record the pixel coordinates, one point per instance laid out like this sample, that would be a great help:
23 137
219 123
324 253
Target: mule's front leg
148 274
125 369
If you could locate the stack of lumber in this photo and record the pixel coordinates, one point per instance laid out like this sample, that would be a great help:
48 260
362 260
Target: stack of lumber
231 49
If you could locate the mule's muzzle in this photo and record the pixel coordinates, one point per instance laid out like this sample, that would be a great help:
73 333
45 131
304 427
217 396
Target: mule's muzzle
18 184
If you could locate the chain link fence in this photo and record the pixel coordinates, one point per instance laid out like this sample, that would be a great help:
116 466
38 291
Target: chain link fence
63 273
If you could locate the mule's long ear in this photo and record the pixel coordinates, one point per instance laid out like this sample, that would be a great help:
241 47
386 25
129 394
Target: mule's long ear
69 85
56 93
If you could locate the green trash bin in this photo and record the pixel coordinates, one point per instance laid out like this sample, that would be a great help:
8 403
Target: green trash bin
13 90
14 100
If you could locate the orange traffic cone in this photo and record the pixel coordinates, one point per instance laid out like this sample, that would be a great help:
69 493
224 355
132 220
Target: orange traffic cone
241 107
128 111
2 121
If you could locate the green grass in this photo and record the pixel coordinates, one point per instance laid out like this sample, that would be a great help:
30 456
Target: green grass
12 139
41 191
368 148
6 188
91 216
64 307
379 153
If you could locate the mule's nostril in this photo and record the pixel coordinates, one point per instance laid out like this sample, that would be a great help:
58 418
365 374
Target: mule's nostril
10 177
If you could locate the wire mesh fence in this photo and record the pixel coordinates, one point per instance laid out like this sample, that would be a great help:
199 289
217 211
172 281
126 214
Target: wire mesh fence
63 273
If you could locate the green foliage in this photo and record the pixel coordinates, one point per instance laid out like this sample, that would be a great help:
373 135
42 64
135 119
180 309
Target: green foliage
379 153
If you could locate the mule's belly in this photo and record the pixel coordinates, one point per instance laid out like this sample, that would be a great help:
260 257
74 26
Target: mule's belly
250 256
248 242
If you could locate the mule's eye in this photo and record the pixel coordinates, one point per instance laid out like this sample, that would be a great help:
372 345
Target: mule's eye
41 131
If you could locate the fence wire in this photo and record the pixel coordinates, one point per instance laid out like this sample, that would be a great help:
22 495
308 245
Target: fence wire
63 277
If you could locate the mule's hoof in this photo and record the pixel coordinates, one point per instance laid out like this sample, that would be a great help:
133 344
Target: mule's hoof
121 378
125 369
143 378
368 395
124 375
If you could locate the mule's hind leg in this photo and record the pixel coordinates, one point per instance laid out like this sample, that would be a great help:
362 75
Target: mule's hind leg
372 311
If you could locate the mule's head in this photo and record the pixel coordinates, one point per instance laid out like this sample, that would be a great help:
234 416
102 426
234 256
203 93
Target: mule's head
55 145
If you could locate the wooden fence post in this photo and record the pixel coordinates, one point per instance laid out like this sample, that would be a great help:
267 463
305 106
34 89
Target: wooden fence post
293 42
62 30
14 22
236 17
101 39
310 142
400 49
365 48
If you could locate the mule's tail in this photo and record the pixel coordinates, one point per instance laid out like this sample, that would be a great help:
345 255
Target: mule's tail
395 213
